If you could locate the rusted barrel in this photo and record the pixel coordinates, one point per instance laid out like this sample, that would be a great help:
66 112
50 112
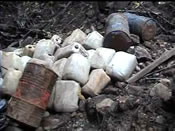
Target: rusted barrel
30 100
144 27
117 35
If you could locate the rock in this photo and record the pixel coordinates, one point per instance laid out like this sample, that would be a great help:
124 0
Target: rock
44 47
98 79
58 67
94 40
90 13
54 121
76 36
135 39
106 103
26 41
46 114
12 128
68 50
166 82
39 129
142 54
91 107
10 82
160 119
29 50
161 91
77 68
66 96
121 66
82 104
100 58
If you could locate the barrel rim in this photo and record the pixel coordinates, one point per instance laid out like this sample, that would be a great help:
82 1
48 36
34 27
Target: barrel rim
41 65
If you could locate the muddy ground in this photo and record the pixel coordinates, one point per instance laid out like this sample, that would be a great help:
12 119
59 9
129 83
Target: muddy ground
134 108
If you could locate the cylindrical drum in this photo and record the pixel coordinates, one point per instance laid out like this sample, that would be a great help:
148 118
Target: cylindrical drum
144 27
117 34
30 100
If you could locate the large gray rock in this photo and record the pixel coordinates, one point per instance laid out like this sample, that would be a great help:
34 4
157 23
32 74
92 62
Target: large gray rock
98 79
161 91
77 68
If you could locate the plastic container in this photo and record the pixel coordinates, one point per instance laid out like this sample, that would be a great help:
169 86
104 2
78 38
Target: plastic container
122 65
11 81
100 57
44 47
144 27
66 51
66 96
58 66
29 50
98 79
76 36
117 35
94 40
77 68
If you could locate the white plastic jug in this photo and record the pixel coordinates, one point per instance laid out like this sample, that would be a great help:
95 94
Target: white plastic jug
29 50
66 96
44 46
76 36
11 80
66 51
94 40
58 67
122 65
77 68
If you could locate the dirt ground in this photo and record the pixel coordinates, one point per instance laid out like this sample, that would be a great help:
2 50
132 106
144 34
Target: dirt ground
134 108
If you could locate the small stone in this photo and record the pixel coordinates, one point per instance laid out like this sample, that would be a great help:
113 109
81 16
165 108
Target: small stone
90 13
87 31
161 91
166 82
99 27
160 119
106 103
46 114
138 68
13 128
135 39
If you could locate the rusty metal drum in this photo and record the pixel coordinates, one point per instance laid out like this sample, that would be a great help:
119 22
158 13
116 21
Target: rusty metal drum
117 35
144 27
30 100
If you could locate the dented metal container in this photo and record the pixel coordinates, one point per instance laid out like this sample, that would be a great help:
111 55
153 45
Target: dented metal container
144 27
117 35
30 100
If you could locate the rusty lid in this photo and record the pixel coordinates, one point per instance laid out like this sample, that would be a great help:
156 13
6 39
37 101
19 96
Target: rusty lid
149 30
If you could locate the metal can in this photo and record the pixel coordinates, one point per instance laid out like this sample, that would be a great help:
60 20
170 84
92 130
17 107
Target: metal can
30 100
117 35
144 27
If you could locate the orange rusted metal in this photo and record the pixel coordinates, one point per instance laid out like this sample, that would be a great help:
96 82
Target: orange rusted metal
34 89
